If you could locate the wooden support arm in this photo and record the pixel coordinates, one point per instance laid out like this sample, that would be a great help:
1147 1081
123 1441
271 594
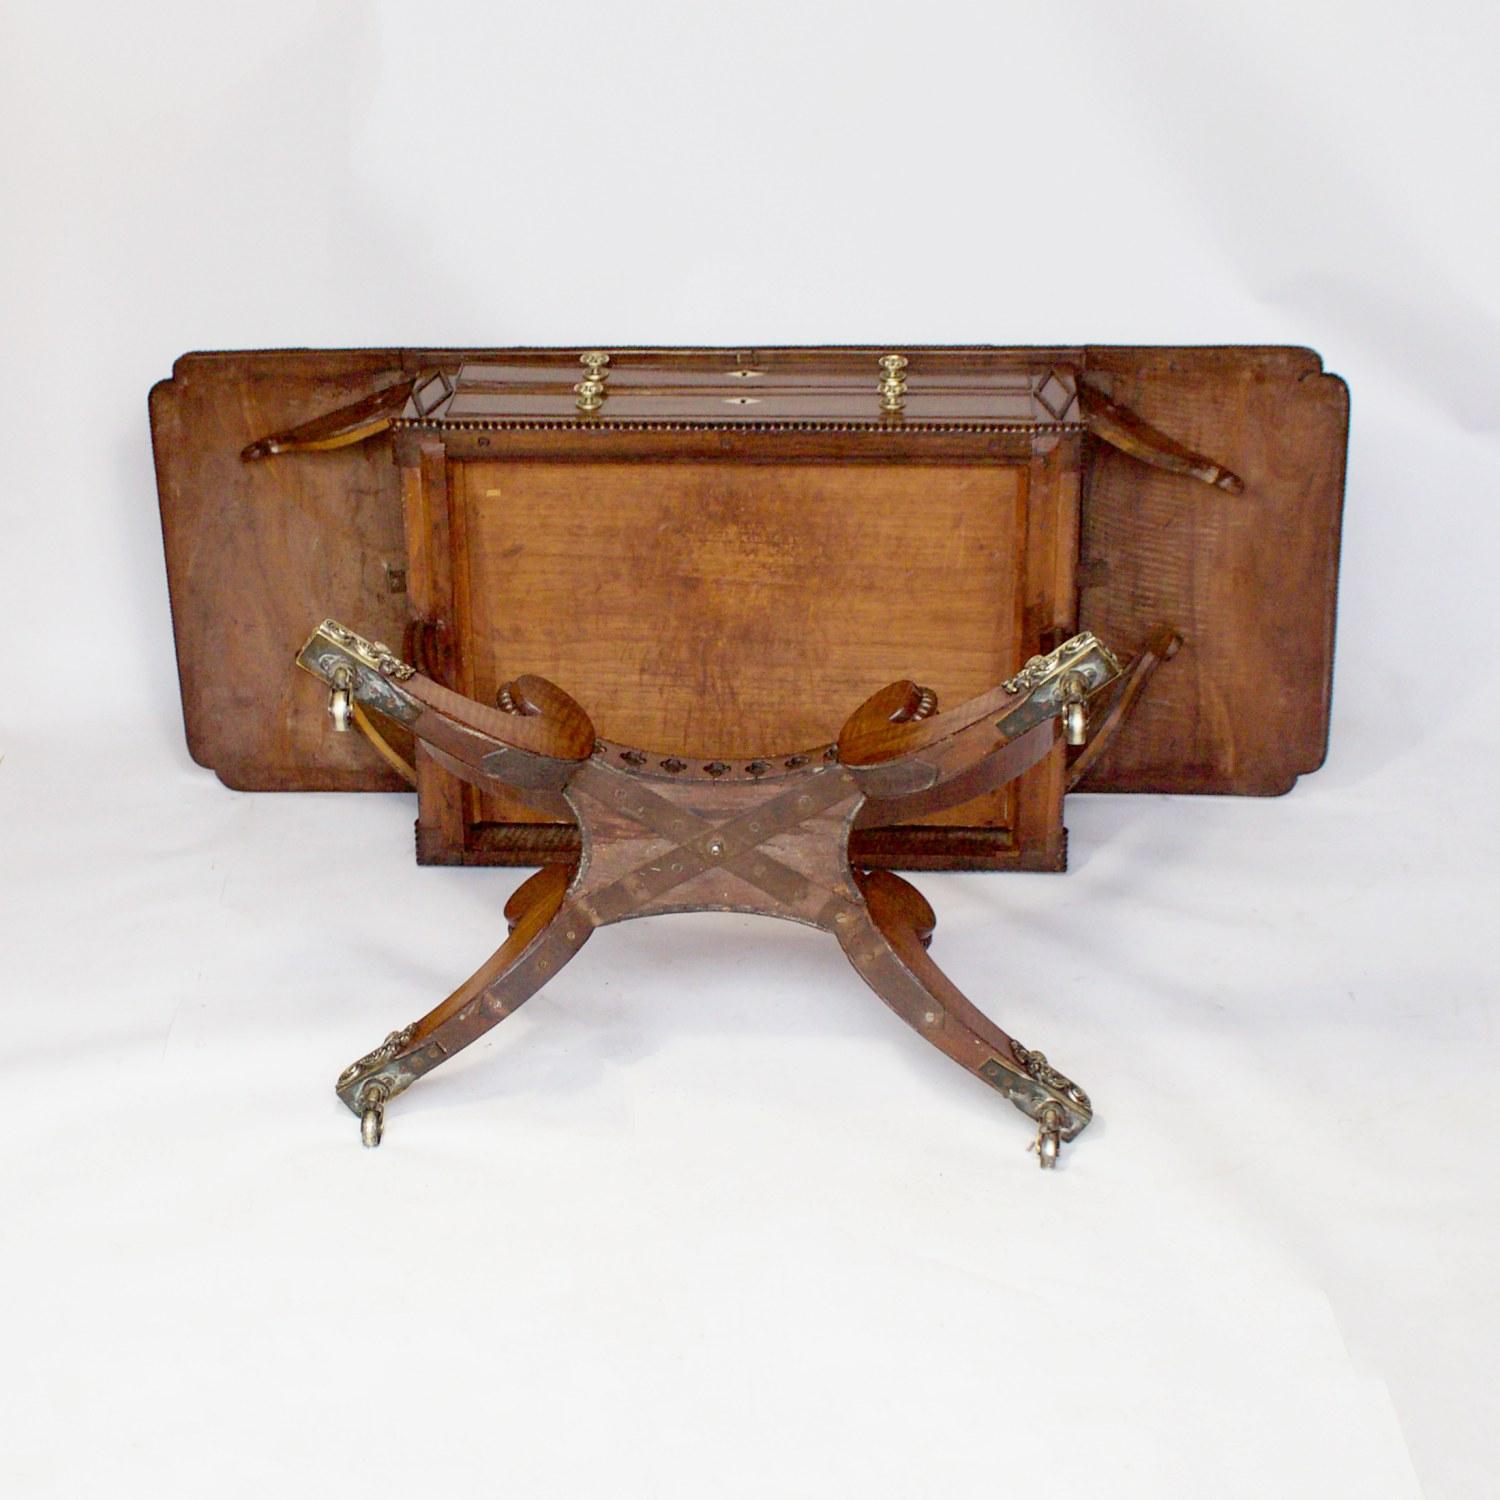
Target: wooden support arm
1162 644
348 425
1122 429
898 746
534 740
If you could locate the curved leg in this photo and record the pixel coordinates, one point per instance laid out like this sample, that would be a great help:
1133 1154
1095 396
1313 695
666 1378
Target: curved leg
545 932
887 944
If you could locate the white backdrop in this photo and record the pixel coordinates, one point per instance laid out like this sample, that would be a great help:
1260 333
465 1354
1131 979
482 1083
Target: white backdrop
705 1219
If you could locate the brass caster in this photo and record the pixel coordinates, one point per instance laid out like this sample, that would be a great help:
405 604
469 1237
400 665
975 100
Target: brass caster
1048 1136
372 1115
1076 724
1075 715
340 701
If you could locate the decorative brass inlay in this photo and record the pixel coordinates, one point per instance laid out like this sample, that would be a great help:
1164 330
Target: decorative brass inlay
507 701
395 1044
926 704
1040 668
374 654
893 385
1037 1067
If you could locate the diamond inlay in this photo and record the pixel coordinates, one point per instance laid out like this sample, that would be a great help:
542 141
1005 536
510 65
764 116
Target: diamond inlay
1056 395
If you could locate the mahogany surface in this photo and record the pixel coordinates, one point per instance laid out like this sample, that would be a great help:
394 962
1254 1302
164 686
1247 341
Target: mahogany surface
717 570
256 548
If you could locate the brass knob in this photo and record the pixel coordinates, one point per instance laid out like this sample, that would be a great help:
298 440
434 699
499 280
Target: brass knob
590 390
893 384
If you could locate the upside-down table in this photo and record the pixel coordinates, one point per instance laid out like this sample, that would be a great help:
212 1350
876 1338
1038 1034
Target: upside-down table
718 551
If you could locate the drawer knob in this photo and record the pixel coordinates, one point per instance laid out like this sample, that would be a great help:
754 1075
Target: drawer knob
590 390
893 382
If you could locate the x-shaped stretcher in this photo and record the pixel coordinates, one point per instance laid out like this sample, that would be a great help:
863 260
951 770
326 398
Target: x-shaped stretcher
662 833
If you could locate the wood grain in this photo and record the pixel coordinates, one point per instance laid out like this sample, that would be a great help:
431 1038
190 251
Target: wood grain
1249 580
725 610
257 552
